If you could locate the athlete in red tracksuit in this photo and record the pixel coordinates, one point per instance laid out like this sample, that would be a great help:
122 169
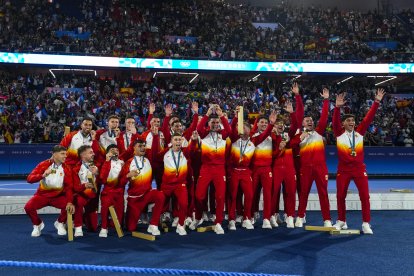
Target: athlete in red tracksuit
106 137
283 167
242 150
85 174
55 190
138 172
313 163
128 136
175 176
213 147
153 152
112 193
172 124
262 174
350 145
73 141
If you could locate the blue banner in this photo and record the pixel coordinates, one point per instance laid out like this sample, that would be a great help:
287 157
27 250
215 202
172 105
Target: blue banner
73 34
392 45
181 39
23 158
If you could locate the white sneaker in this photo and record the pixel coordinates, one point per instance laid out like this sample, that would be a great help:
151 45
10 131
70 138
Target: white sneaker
188 221
266 224
181 230
278 219
273 221
205 216
103 233
218 229
78 231
247 224
212 218
153 229
289 222
366 228
226 217
37 229
299 222
175 222
256 216
327 223
194 224
61 231
239 219
232 225
339 225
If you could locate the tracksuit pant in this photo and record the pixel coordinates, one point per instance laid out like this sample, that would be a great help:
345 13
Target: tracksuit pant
319 174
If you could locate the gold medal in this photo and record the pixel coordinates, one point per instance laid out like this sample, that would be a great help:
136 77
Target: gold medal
241 159
176 174
353 153
53 171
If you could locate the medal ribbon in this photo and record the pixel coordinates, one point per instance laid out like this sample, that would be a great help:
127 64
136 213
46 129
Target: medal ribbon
177 164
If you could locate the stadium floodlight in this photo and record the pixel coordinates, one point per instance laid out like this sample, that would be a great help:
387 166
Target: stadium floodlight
73 70
194 78
254 78
344 80
389 79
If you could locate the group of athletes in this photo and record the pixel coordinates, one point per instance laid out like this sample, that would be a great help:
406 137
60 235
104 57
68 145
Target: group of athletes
210 166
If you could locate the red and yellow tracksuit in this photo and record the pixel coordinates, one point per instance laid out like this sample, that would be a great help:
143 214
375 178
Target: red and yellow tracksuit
351 166
140 193
112 193
213 148
54 190
313 166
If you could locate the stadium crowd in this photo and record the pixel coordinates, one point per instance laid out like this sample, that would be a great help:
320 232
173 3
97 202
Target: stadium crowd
203 29
35 108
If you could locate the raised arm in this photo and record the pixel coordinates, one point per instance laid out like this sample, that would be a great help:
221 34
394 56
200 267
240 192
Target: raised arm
201 127
363 126
189 131
151 111
234 135
300 110
336 118
323 120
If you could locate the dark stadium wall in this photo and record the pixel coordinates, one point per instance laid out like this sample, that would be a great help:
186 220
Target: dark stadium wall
395 5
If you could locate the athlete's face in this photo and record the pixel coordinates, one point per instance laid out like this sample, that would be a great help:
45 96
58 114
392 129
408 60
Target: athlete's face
214 124
59 157
176 142
88 155
139 149
308 123
113 123
177 127
155 122
129 124
280 127
349 124
262 124
172 119
86 126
